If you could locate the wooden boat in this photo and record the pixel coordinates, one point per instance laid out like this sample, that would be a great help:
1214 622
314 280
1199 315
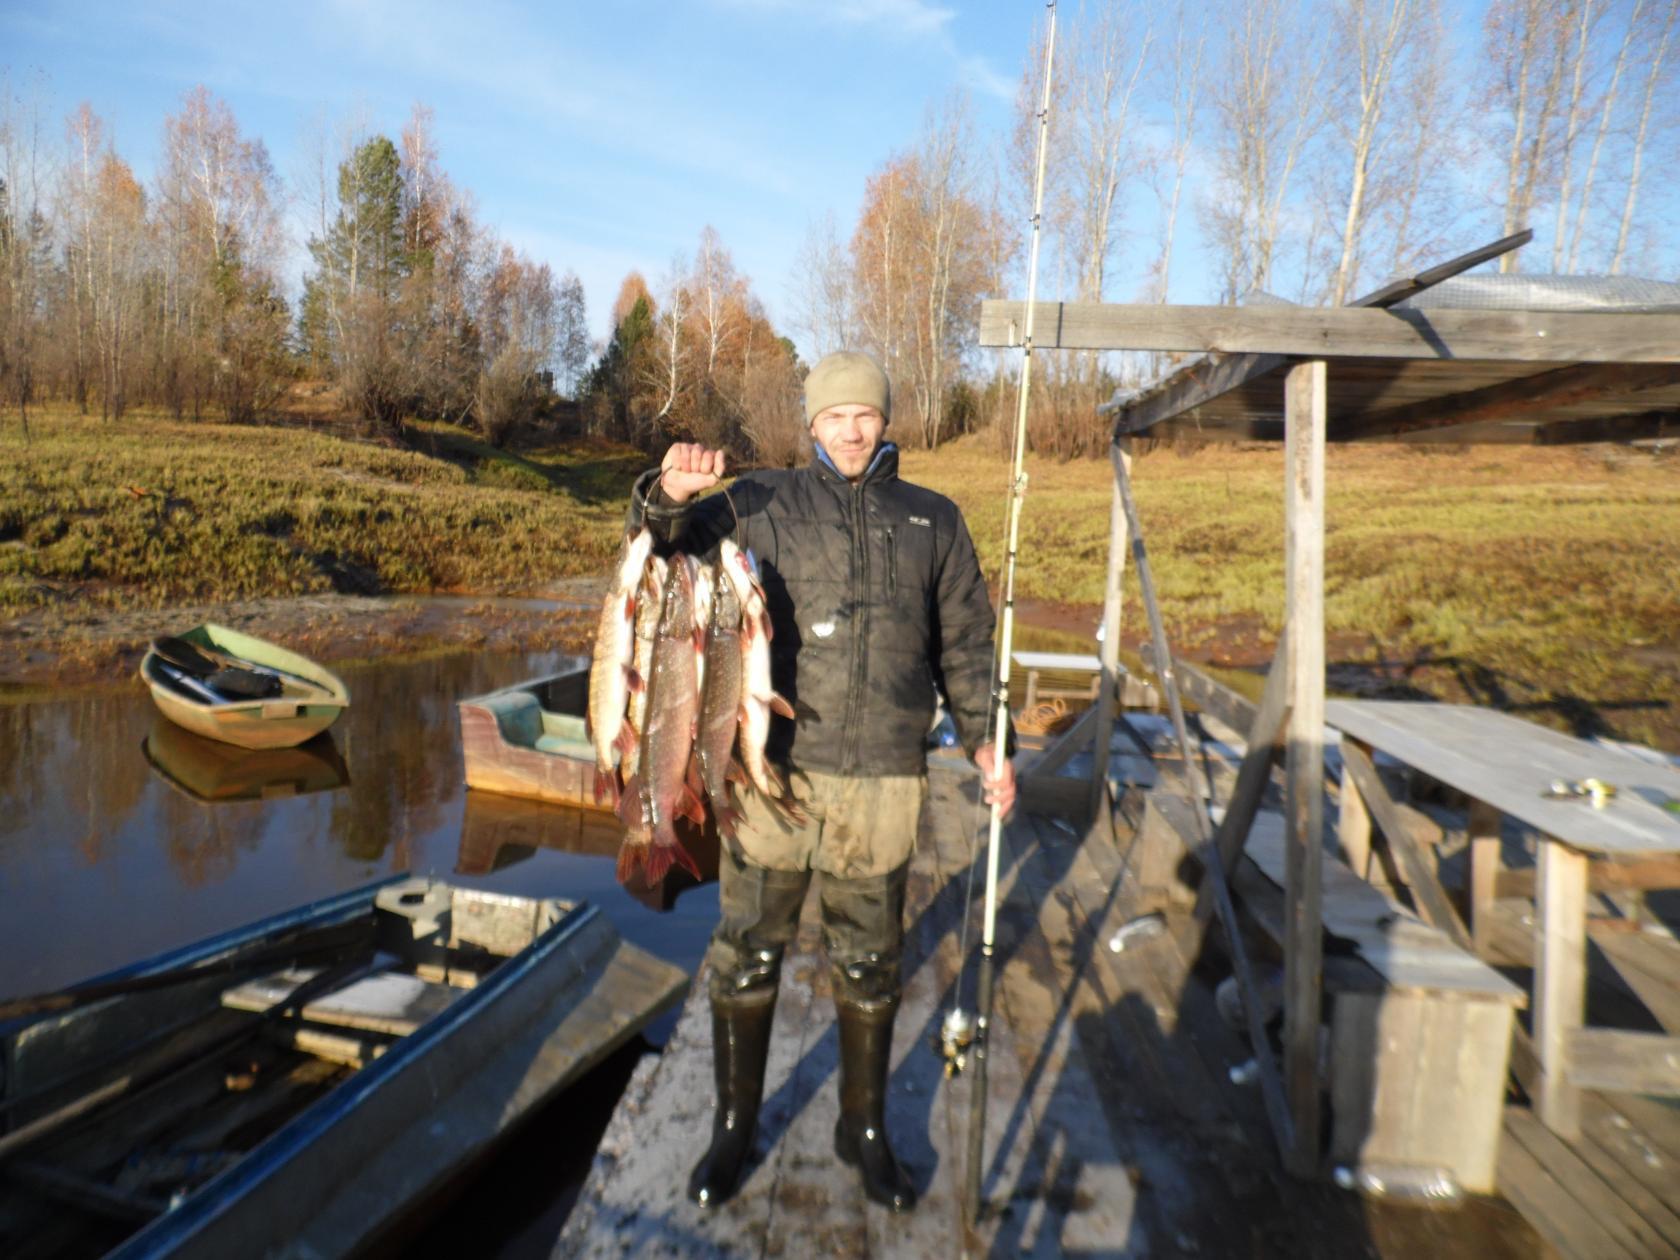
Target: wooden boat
207 770
530 739
293 1086
310 699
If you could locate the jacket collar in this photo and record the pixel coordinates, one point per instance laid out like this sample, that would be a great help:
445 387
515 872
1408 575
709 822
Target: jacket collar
884 467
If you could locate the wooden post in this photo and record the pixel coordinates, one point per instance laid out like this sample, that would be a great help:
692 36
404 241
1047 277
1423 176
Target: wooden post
1109 651
1485 824
1304 419
1560 981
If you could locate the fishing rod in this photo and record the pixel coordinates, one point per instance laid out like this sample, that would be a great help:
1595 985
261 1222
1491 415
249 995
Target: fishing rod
976 1053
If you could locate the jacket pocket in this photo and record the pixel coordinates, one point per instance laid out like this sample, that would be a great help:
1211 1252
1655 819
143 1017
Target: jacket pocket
892 564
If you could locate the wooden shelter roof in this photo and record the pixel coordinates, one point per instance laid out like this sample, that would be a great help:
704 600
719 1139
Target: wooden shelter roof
1410 375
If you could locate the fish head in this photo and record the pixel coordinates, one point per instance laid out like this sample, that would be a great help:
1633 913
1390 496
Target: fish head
677 617
634 558
705 592
726 604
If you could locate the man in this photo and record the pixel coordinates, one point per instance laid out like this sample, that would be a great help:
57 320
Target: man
876 601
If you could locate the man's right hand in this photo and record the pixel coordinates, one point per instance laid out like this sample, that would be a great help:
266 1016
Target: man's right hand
689 469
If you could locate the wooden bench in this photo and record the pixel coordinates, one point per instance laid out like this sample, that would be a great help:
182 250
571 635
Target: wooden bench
1419 1029
1506 767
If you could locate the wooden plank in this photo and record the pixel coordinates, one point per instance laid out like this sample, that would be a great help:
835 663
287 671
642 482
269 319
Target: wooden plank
1510 763
1321 332
1602 876
1071 741
1267 727
1415 861
1584 1189
1398 290
389 1003
1484 826
1521 397
1353 825
1560 981
1196 385
1663 423
1622 1159
1418 1081
1627 1062
1304 767
1552 1210
1408 953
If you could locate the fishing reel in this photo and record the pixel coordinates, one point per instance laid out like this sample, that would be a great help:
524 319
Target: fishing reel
956 1034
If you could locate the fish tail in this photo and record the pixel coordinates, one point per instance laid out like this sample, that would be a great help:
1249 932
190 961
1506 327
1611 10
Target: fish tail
656 862
630 856
686 860
606 788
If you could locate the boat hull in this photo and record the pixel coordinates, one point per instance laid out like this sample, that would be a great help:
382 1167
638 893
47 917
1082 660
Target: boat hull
352 1163
528 740
311 701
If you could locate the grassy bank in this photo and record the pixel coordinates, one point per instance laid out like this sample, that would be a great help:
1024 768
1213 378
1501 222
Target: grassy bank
1544 581
152 511
1541 580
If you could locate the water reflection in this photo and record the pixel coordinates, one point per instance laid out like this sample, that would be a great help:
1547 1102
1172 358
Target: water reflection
210 771
121 836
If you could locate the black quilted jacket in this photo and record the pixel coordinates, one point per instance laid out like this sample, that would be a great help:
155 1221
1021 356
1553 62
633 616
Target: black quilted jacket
876 601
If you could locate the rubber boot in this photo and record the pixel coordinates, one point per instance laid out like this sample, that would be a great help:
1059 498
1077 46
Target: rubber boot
740 1045
860 1137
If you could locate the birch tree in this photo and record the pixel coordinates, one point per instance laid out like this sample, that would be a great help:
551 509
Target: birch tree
1525 48
1267 109
1372 40
1653 77
1180 84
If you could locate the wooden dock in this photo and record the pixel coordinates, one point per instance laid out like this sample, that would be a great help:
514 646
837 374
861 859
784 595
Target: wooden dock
1115 1128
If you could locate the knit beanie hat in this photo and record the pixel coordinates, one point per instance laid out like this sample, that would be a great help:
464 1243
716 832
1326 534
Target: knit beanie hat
847 377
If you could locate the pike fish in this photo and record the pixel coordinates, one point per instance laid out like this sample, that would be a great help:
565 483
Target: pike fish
650 602
611 676
720 703
659 792
758 696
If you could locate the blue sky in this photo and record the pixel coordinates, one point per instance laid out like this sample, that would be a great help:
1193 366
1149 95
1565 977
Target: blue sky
598 137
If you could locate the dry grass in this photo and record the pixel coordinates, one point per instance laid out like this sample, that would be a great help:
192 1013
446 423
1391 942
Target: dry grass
153 511
1540 580
1544 581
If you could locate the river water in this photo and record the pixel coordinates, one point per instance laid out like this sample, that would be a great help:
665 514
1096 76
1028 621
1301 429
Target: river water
121 835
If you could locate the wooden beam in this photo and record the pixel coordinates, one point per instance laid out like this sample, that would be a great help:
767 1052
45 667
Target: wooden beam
1266 729
1602 876
1193 386
1628 1062
1484 828
1353 825
1343 331
1640 427
1415 866
1515 399
1304 409
1120 454
1202 382
1560 982
1225 703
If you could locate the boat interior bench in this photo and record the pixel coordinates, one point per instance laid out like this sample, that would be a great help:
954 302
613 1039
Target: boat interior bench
1419 1028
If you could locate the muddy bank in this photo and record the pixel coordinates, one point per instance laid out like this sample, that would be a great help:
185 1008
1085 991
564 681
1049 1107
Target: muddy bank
69 645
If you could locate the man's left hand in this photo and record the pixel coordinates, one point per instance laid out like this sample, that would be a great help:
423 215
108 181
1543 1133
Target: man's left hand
997 780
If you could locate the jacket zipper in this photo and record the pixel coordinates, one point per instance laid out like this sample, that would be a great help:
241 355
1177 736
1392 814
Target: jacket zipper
860 628
892 565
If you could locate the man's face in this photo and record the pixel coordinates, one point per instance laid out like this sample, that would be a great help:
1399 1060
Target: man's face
849 433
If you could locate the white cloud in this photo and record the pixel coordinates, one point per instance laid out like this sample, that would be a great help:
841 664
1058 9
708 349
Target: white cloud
906 17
